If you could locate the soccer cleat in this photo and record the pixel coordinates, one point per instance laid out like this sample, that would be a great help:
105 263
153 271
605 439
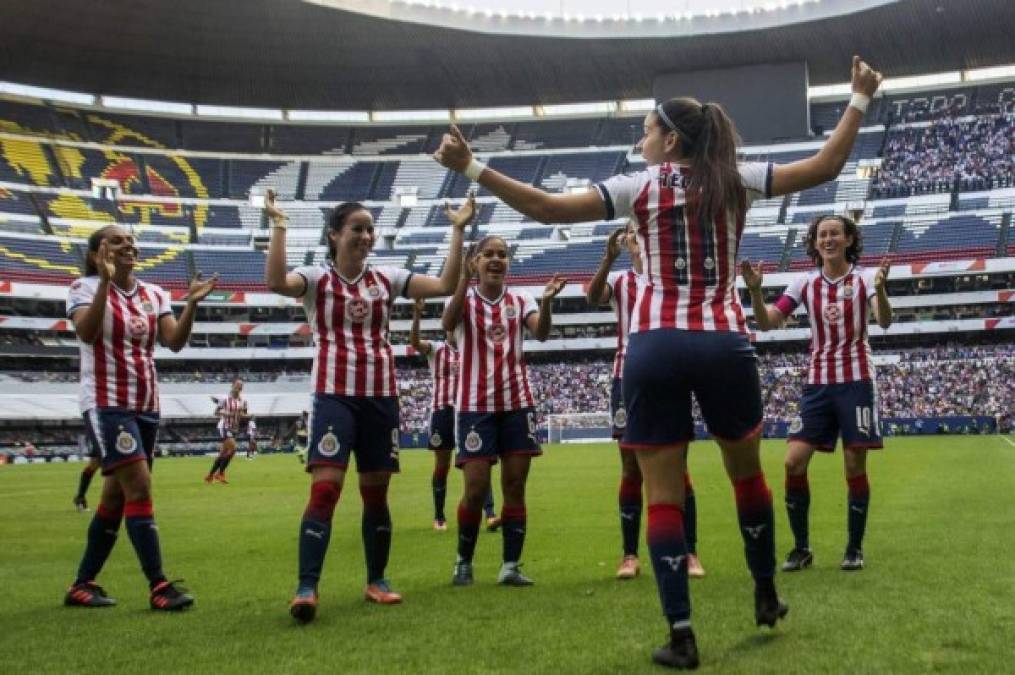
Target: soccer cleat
768 608
510 575
694 568
629 567
209 478
440 525
87 594
167 596
798 559
681 652
493 523
221 478
381 593
463 574
81 504
303 607
852 561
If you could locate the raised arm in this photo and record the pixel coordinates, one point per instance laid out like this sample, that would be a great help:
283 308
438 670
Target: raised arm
421 346
598 292
539 323
829 160
454 154
456 304
882 305
766 316
88 320
174 334
421 286
276 276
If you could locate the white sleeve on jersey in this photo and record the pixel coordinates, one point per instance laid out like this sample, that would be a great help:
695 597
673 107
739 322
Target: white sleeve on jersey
80 294
868 280
618 193
399 278
164 304
311 275
757 178
529 306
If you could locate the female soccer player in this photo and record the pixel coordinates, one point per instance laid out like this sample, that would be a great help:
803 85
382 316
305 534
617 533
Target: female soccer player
688 333
355 402
620 289
118 318
231 411
443 361
496 416
841 392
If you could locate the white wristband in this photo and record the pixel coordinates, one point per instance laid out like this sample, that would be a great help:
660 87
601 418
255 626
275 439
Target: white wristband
280 223
860 102
474 169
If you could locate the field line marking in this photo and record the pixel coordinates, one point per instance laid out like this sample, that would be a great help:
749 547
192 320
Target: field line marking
1008 441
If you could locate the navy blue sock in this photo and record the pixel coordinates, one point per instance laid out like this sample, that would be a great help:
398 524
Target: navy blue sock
85 480
630 514
376 530
757 525
858 501
102 534
690 516
668 550
224 463
215 466
140 517
439 484
798 503
513 525
468 532
315 530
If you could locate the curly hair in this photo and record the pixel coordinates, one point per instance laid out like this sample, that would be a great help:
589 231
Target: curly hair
849 229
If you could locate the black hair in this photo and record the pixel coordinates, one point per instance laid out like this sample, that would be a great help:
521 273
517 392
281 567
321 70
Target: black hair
94 241
337 221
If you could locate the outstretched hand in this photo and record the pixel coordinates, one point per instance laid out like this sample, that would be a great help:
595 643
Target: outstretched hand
200 287
463 215
469 267
753 276
554 287
270 208
865 79
614 242
104 261
454 152
881 276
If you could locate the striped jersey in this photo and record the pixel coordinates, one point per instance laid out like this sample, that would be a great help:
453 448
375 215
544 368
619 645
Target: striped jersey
118 369
231 410
623 293
838 310
443 362
349 319
492 375
689 271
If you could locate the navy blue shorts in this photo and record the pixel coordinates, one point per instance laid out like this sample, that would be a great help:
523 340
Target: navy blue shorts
365 426
663 367
618 413
442 429
487 436
122 436
225 433
826 410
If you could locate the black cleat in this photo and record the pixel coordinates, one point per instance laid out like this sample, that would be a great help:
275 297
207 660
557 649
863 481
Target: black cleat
303 607
798 559
463 574
168 597
87 594
852 561
681 651
768 608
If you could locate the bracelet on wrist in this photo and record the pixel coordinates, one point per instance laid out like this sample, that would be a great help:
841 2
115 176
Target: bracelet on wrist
473 170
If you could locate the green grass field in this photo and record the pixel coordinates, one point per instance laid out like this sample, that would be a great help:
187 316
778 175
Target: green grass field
938 593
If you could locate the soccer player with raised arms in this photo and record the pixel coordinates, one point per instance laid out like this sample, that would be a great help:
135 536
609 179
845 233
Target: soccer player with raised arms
118 319
232 412
355 401
495 412
688 330
840 396
620 290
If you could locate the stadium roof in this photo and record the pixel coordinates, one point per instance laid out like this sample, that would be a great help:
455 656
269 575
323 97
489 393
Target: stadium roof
296 54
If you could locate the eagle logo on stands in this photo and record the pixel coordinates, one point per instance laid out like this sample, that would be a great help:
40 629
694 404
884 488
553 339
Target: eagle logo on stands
620 418
832 313
373 291
328 445
138 326
796 425
357 309
497 333
435 440
125 443
510 312
473 442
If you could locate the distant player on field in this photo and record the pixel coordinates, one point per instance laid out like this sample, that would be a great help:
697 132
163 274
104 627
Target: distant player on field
232 413
91 451
620 290
840 396
251 438
118 318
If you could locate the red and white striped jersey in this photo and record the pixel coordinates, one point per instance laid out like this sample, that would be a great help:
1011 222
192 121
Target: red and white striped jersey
443 362
689 272
349 318
118 369
230 411
623 293
838 310
492 376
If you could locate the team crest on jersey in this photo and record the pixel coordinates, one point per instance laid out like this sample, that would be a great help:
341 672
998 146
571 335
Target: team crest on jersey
328 445
620 418
148 307
510 312
680 263
357 310
436 440
76 285
832 313
796 425
125 443
497 333
373 291
847 291
138 326
473 441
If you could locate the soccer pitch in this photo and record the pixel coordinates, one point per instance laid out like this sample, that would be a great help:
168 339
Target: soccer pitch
938 592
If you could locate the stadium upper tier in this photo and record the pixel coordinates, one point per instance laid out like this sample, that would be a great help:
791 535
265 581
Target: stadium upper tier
934 184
